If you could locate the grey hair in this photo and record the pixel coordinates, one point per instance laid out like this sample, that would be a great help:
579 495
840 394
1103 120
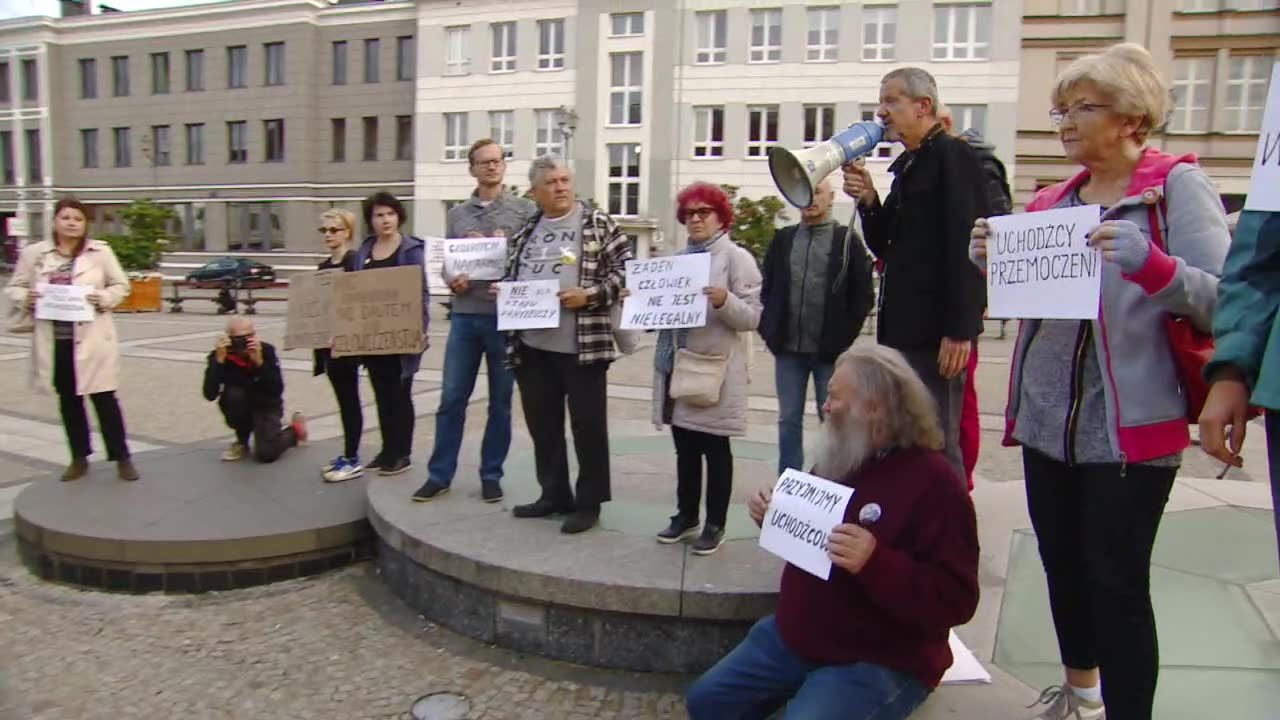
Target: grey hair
542 164
908 416
919 83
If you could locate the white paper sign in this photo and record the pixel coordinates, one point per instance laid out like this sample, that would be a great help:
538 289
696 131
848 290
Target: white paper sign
965 668
1039 265
800 517
63 302
666 292
435 266
1264 186
528 305
479 258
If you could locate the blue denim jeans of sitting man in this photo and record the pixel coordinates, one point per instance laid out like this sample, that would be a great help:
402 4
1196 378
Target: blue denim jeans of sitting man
472 337
791 378
759 676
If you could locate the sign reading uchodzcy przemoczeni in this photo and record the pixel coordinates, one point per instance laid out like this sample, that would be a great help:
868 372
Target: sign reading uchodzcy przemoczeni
1040 265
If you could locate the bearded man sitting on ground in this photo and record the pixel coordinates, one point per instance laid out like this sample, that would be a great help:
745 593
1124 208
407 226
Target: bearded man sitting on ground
870 642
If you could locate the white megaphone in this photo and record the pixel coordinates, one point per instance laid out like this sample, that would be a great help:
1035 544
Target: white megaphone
797 174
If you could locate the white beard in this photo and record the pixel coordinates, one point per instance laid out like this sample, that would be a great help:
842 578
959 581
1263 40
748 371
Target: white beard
845 446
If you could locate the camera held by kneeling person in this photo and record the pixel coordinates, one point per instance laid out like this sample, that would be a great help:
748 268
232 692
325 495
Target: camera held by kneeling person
244 376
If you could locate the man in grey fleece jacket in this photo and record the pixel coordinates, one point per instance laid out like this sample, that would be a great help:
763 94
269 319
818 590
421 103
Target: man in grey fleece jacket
491 211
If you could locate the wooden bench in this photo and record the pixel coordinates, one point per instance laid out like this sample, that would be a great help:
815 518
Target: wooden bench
249 301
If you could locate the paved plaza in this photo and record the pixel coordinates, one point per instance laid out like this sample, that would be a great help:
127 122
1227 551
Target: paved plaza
341 646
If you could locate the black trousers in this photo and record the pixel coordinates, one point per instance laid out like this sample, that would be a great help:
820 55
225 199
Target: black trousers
344 376
546 381
74 419
270 439
691 447
1096 531
394 396
949 395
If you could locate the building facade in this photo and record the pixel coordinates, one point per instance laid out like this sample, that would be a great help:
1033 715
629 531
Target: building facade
249 117
1217 54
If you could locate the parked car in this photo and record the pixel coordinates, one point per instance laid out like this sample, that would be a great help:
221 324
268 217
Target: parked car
235 269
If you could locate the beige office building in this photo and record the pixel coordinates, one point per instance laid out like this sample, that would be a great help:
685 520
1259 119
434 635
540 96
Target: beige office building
1217 54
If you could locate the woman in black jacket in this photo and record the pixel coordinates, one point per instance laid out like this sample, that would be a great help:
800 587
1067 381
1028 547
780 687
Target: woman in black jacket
338 227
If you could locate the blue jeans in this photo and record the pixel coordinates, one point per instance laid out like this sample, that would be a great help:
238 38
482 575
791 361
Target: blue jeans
761 674
791 373
471 337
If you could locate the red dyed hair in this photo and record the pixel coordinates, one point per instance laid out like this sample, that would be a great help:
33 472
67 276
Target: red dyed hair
712 196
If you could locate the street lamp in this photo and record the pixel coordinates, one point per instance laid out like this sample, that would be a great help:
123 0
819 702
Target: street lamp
567 122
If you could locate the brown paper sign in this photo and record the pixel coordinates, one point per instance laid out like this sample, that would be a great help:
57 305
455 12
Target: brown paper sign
309 317
378 312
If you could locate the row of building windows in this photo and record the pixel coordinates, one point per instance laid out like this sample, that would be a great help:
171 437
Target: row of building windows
1248 78
548 136
35 161
157 144
273 68
30 84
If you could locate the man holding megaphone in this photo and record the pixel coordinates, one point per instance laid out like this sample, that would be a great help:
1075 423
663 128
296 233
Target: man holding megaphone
931 299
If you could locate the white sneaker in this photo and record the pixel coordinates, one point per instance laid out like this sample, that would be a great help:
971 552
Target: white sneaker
332 465
234 451
346 470
1063 704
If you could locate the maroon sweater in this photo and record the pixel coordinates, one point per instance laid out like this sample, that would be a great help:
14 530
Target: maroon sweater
921 581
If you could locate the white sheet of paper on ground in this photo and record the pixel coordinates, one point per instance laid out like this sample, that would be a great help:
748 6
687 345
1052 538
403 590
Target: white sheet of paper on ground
965 668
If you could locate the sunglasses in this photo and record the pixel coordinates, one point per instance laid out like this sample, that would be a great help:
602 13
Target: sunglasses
700 213
330 230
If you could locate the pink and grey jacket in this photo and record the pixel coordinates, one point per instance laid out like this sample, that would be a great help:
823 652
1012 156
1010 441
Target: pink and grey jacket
1145 402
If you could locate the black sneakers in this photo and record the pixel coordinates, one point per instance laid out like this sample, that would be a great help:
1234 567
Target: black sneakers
378 462
540 508
429 491
710 541
679 529
394 467
490 491
581 521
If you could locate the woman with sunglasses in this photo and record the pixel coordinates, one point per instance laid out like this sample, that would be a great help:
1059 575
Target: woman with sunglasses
338 227
1098 405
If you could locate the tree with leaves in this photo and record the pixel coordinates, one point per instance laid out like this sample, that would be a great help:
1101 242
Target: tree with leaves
139 249
754 221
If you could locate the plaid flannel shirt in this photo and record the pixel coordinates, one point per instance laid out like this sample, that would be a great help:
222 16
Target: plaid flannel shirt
605 251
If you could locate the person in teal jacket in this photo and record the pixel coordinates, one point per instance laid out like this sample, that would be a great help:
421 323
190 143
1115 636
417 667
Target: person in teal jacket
1245 368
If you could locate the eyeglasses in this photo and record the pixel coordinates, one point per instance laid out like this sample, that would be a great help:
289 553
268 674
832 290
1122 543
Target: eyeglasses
699 213
1059 115
331 230
487 163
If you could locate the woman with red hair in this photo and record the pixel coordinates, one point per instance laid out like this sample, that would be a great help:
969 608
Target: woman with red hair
700 374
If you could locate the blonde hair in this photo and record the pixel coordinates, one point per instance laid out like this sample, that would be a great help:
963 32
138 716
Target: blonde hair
909 417
346 217
1128 76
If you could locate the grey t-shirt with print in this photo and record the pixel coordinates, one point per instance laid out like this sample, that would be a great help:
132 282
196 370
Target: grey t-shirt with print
554 251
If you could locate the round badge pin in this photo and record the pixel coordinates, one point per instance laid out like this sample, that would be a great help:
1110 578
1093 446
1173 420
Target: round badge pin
869 514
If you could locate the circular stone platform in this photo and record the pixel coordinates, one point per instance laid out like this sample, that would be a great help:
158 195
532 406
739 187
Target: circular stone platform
611 597
192 523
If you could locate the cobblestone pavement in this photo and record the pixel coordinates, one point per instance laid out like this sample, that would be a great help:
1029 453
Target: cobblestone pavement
335 647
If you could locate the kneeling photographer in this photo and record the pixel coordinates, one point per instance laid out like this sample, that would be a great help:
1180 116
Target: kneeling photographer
244 376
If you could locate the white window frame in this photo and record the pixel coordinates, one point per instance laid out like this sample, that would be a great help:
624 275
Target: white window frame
457 61
964 117
628 22
630 177
825 21
456 145
1192 92
769 48
1199 6
503 37
712 28
880 17
1260 65
706 146
975 18
758 142
548 138
502 128
631 86
824 124
1080 8
551 58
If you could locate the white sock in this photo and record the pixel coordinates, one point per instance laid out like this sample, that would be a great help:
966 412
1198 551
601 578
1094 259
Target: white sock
1089 694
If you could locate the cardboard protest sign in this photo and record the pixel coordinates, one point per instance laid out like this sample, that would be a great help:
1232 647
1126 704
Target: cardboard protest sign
434 267
803 511
479 258
666 292
309 316
68 303
1039 265
1264 185
528 305
378 312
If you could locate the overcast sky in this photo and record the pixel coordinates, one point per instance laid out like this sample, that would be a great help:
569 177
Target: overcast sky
20 8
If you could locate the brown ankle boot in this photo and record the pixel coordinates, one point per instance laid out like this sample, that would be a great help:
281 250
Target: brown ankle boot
126 470
78 468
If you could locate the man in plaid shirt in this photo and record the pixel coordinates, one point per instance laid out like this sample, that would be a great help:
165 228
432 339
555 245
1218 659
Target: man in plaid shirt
586 251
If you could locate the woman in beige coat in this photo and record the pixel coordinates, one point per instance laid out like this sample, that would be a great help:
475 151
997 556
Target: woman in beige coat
702 417
76 358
